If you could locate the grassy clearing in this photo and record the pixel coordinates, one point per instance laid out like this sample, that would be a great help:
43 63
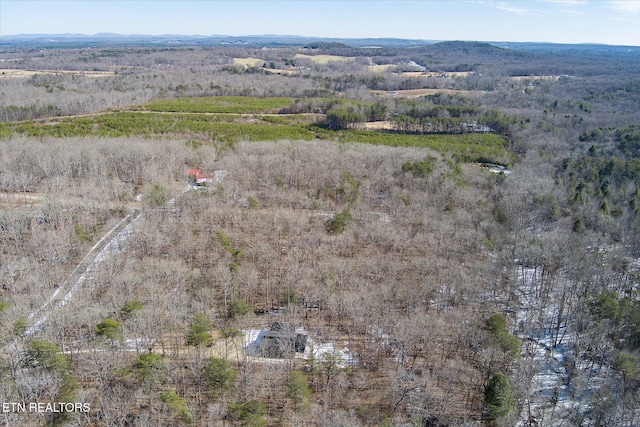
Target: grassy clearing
468 147
249 62
323 59
381 68
465 148
150 124
220 119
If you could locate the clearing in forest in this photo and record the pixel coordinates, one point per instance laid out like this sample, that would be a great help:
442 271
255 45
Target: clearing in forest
323 59
227 120
249 62
417 93
441 74
8 73
528 78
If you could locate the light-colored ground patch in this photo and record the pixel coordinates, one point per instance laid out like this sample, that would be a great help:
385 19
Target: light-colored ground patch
382 125
444 74
529 78
416 93
320 352
10 201
8 73
380 68
25 202
280 71
249 62
447 74
323 59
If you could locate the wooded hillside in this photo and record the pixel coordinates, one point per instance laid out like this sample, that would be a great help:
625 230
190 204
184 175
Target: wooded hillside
356 255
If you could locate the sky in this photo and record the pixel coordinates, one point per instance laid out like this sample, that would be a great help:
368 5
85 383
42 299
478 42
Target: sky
556 21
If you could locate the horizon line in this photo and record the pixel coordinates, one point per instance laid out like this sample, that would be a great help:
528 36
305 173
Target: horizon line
271 35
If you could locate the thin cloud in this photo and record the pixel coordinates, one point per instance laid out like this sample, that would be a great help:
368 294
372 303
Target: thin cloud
625 6
565 7
512 8
564 2
539 8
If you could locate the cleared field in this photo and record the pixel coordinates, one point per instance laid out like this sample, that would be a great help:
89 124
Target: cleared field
446 74
380 68
8 73
323 59
380 125
280 71
417 93
526 78
249 62
228 120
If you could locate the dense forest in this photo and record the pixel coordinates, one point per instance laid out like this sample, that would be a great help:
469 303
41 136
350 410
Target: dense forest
319 234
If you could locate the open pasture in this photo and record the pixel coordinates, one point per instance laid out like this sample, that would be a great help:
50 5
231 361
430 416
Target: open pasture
249 62
323 59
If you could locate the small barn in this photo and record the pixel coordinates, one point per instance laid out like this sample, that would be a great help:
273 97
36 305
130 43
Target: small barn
196 178
282 342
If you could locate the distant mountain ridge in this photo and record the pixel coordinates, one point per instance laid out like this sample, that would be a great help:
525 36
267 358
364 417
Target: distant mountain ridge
266 39
69 40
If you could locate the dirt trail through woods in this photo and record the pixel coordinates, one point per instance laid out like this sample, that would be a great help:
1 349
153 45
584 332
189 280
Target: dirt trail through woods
114 240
